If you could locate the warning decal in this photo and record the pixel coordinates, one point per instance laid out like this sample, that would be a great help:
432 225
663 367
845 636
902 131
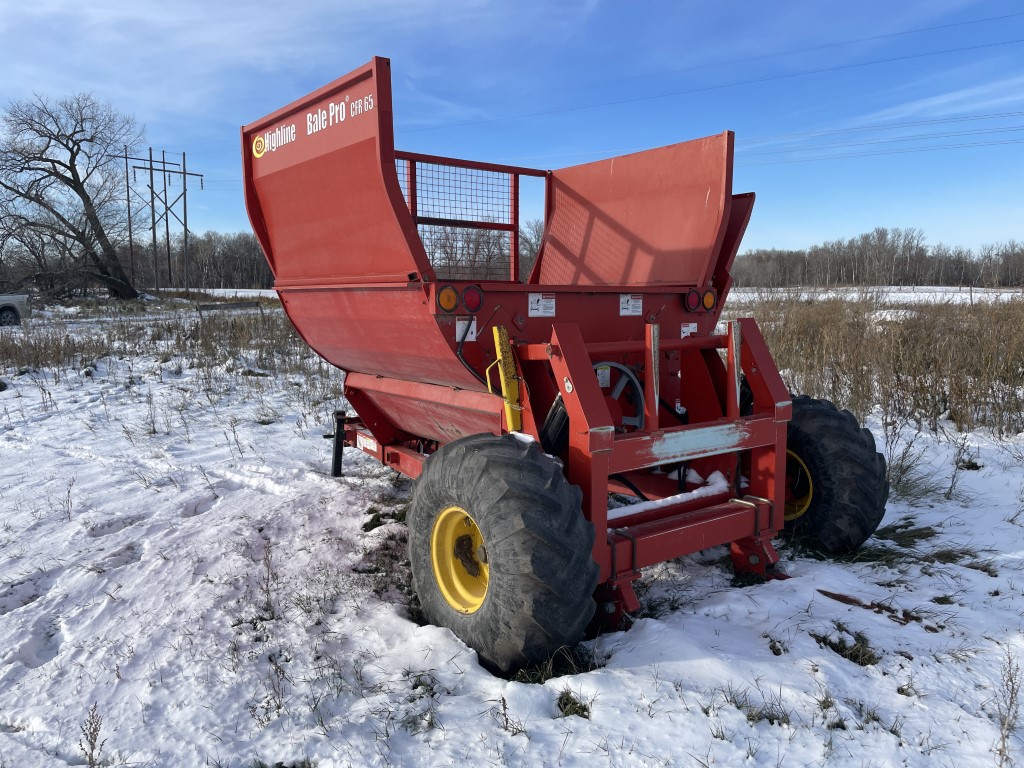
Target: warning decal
542 305
631 304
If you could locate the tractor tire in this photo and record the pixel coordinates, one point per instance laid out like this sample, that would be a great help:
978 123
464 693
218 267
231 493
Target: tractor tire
500 550
836 486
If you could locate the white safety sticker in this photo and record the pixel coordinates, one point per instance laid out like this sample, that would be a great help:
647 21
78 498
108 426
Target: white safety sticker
462 324
542 305
604 376
687 329
631 304
365 443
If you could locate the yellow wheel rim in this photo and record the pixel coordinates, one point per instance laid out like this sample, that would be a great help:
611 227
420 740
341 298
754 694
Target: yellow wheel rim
459 560
799 487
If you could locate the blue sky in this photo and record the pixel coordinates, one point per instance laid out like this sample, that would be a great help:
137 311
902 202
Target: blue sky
879 85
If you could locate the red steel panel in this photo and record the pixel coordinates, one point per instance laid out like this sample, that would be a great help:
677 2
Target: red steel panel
739 217
686 443
383 330
433 412
649 218
678 535
321 187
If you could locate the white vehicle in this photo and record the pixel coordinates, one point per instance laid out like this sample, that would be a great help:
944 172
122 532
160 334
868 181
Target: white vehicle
13 307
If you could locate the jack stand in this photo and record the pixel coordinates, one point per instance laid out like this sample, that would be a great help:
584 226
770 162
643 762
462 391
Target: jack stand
753 556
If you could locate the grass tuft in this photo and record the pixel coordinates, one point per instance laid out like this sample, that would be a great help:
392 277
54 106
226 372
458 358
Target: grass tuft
569 704
566 660
905 534
859 651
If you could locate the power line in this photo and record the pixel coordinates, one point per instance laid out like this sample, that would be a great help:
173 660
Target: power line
887 140
822 46
853 41
721 86
881 126
743 142
877 153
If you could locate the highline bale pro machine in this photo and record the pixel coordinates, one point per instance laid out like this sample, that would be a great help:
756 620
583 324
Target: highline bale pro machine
519 399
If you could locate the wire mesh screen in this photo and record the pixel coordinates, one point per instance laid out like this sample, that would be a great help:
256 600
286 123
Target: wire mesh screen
456 211
462 253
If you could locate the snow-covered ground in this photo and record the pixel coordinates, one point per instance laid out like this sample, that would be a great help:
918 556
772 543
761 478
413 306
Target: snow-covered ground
242 293
175 555
889 295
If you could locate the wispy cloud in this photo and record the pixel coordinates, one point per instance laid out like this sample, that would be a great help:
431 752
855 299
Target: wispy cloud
990 96
426 108
160 58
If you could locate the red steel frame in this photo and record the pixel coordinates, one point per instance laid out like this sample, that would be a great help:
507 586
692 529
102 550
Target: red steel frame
415 385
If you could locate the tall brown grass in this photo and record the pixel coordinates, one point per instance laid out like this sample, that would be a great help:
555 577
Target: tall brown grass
250 350
920 363
917 364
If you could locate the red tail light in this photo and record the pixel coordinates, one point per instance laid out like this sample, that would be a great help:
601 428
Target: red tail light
472 298
692 300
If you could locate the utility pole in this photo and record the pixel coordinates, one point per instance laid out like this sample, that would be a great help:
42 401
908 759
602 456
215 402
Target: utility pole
152 212
184 219
167 222
131 239
160 197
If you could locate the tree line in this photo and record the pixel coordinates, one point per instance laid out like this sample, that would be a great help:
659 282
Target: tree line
216 260
64 228
883 257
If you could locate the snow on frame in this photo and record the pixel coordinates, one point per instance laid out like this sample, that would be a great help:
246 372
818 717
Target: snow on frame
180 557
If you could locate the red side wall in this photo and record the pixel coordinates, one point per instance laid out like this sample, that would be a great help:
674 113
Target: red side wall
651 218
329 213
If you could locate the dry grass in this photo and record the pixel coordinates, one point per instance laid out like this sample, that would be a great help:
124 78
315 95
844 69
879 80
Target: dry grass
253 350
859 651
919 364
905 534
1007 708
566 660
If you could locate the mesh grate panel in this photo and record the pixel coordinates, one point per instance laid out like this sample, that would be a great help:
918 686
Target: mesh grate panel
460 253
463 196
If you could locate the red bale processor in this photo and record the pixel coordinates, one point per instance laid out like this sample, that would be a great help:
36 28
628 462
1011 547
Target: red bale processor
520 398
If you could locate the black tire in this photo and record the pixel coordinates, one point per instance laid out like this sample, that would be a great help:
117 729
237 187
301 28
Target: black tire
532 580
9 317
836 486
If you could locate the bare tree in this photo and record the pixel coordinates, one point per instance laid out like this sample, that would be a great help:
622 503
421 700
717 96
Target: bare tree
531 235
226 260
59 167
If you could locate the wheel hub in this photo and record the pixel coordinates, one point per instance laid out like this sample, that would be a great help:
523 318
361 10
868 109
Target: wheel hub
799 487
459 560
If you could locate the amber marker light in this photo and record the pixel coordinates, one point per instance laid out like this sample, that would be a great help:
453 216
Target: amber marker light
472 298
448 299
709 300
